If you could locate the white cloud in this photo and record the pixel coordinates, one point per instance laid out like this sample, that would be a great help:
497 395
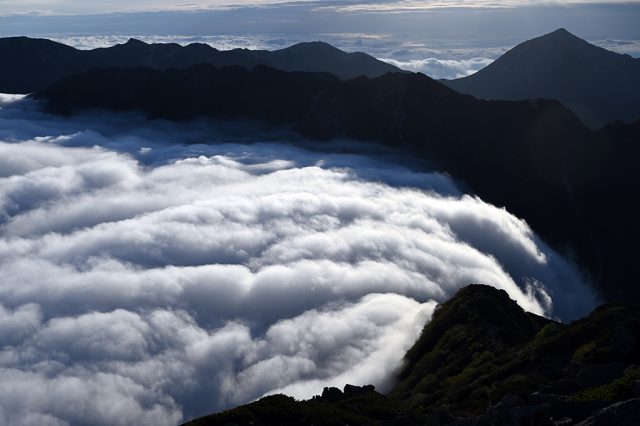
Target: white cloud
150 286
441 68
629 47
7 99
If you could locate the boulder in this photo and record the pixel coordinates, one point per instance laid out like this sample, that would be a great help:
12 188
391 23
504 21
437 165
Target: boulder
351 390
332 394
592 375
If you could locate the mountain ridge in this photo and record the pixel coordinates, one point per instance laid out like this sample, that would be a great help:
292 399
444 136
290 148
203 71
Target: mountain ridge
33 64
601 86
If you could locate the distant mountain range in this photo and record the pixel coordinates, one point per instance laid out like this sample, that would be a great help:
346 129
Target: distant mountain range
30 64
482 360
599 85
574 186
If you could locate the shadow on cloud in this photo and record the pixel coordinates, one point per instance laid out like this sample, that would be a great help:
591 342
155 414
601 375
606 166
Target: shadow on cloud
172 279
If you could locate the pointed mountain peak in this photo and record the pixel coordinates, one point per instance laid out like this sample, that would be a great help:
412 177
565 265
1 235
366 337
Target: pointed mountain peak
557 42
560 34
135 42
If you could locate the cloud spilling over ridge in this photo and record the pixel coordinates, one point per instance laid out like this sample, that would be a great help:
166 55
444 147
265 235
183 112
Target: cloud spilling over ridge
172 280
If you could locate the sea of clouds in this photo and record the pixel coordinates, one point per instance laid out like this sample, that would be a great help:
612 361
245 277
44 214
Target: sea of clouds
152 272
430 57
439 59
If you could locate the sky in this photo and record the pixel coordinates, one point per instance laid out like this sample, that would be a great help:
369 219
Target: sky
443 39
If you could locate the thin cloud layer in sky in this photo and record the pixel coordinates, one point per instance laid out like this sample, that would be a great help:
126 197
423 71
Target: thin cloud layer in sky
395 6
89 7
172 280
69 7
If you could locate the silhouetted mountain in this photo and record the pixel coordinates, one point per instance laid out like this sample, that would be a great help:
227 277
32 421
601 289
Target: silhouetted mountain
31 64
483 360
599 85
575 187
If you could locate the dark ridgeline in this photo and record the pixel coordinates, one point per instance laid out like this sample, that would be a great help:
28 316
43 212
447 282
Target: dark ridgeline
599 85
483 360
201 90
29 64
574 186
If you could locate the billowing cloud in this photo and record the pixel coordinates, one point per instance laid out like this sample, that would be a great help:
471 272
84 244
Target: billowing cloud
148 281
